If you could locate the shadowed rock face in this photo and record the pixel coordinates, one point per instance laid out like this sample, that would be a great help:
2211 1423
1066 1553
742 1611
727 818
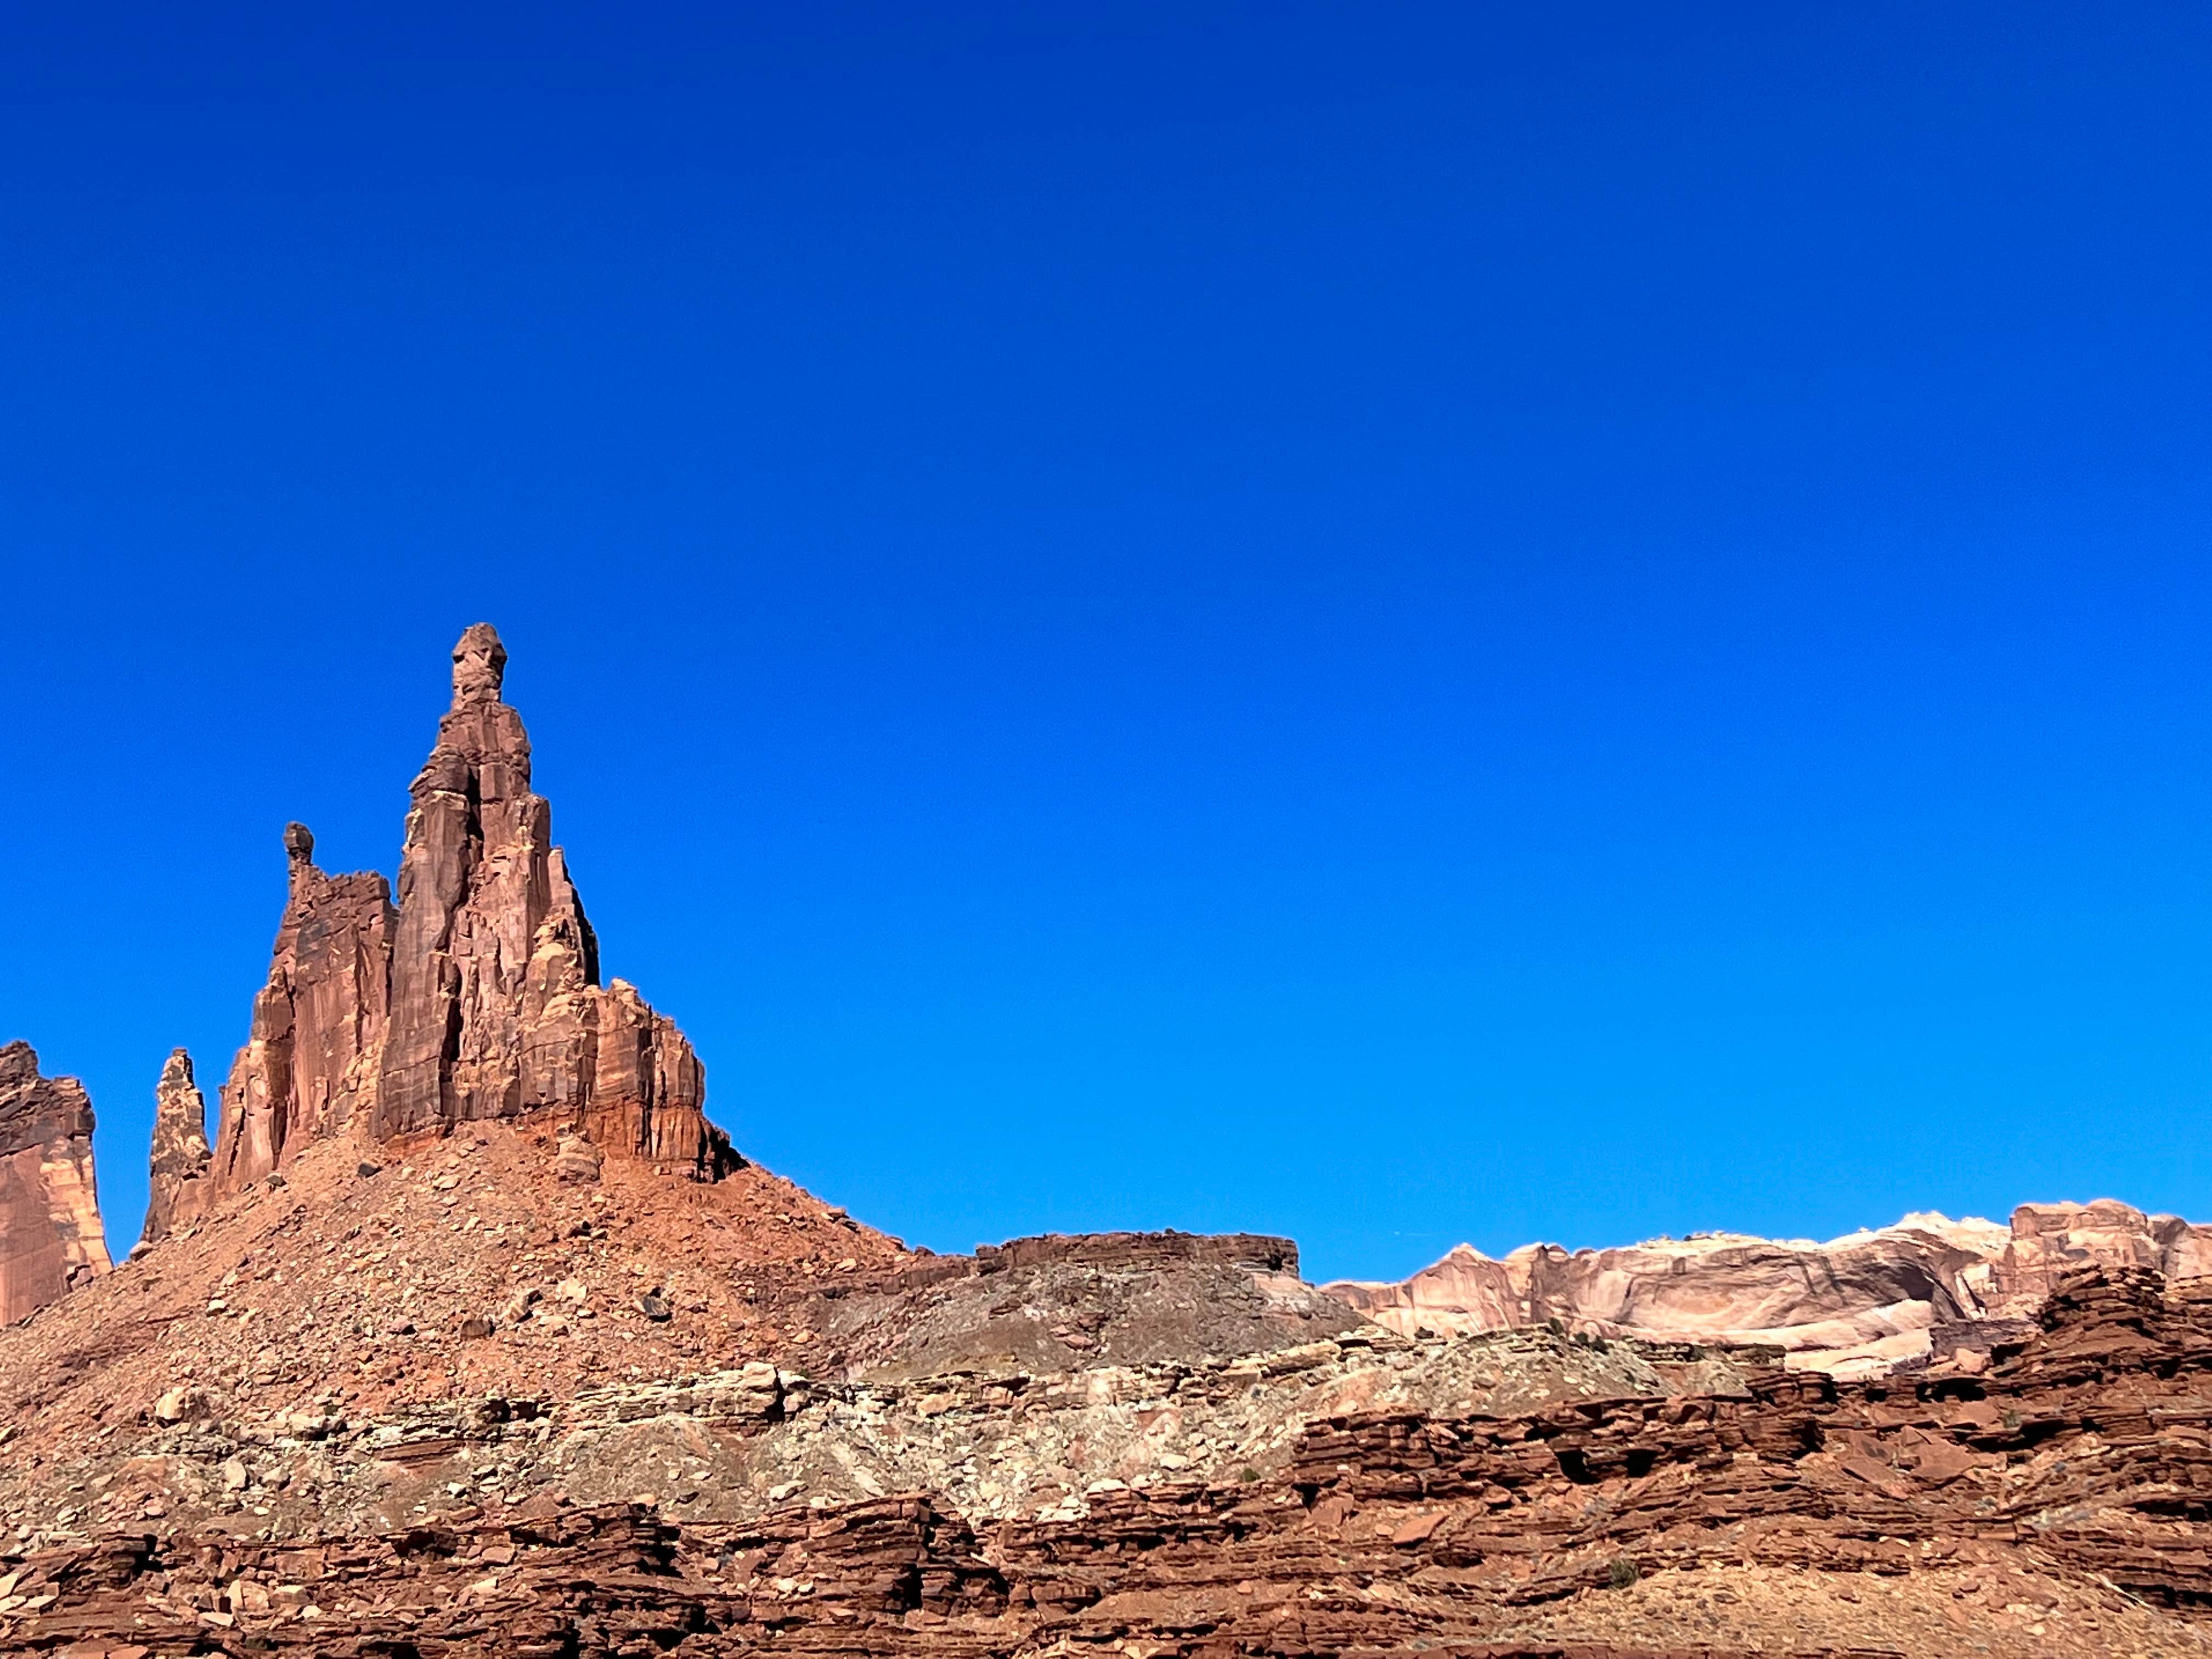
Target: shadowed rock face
177 1190
475 997
51 1237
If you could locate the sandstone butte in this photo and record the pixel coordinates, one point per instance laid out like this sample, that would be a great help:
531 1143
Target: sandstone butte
470 1336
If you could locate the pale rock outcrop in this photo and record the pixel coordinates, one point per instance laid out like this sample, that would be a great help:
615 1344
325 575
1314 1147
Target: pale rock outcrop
310 1065
1867 1302
51 1235
178 1188
2046 1241
1465 1291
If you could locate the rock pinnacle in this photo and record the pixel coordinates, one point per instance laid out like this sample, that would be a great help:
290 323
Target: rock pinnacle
479 665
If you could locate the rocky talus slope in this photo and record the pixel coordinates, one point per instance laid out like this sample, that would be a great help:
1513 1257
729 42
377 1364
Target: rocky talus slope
1927 1289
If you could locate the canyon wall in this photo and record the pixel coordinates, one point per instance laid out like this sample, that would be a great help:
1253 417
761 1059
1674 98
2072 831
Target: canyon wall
1864 1303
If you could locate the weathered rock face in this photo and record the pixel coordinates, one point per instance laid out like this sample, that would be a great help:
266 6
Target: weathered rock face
2047 1242
1351 1495
1866 1302
496 1008
309 1068
178 1188
475 997
1060 1302
51 1237
1466 1291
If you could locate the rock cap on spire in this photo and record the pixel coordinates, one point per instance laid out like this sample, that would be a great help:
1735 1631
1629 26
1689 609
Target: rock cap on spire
479 665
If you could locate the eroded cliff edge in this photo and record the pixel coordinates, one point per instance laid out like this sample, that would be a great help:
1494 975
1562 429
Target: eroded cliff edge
50 1237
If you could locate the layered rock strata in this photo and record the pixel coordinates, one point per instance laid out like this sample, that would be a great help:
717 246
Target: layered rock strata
1866 1302
2054 1505
1096 1299
475 997
50 1237
178 1188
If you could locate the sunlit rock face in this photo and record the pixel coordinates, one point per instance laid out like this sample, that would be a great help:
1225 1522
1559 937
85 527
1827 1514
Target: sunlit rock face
497 1007
477 996
177 1186
50 1237
309 1067
1866 1302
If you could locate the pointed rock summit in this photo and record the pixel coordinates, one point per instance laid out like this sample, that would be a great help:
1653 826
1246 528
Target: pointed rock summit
51 1237
178 1188
477 996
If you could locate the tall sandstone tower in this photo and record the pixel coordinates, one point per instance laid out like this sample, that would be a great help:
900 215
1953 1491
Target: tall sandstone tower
477 996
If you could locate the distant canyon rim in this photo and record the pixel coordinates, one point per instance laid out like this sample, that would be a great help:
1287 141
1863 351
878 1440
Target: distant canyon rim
469 1332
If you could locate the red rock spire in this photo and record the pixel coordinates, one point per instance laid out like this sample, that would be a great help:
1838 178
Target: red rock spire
178 1188
477 996
309 1066
497 1007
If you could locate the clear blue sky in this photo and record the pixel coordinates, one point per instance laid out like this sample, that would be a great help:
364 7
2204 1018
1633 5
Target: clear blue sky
1388 623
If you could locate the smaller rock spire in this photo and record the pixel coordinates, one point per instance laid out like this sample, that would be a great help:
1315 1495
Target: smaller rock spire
479 665
177 1191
